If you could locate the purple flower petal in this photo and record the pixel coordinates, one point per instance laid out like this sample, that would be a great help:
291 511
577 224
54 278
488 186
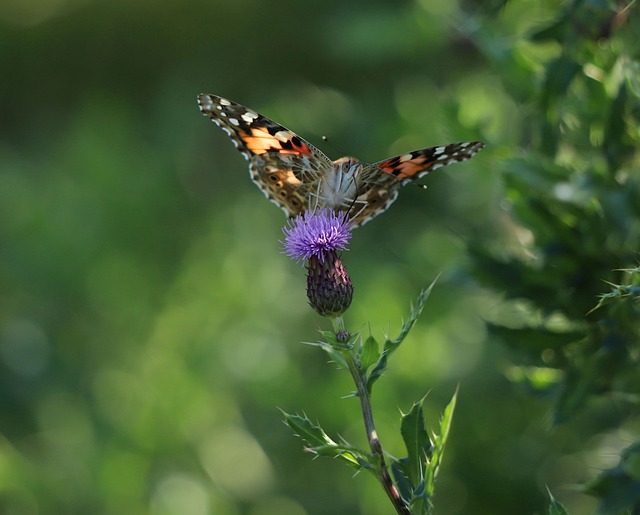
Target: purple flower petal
316 233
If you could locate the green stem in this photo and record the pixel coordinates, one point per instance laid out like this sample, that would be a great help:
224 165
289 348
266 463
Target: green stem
338 324
381 470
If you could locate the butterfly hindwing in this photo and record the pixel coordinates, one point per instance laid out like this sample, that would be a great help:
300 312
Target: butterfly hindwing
379 182
416 164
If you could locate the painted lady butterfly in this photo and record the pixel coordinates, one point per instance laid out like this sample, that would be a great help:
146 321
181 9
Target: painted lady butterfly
296 176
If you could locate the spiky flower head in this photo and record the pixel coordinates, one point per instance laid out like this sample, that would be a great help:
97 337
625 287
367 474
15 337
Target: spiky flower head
316 233
317 236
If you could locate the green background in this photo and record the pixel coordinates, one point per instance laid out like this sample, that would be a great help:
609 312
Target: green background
151 327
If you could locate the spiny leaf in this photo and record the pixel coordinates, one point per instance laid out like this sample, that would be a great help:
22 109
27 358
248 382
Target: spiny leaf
420 503
312 434
331 347
319 443
370 354
401 480
556 507
439 442
352 455
416 440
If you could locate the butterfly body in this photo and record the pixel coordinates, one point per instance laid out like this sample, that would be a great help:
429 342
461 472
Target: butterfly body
296 176
338 188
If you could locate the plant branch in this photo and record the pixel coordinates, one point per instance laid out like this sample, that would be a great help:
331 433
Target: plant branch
374 442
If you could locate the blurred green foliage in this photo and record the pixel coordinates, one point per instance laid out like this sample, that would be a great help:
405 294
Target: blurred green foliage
150 328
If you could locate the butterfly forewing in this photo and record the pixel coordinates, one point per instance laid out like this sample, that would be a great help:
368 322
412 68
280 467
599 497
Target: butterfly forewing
290 171
283 165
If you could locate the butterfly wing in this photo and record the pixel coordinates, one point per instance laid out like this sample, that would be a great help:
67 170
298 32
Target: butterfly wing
283 165
380 182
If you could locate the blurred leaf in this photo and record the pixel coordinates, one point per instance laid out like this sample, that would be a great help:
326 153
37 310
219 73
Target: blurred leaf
556 31
591 375
560 73
619 487
534 340
617 148
538 380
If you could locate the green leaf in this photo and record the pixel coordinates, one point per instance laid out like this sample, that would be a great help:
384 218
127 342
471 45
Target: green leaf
390 346
588 377
534 339
560 74
312 434
616 144
401 480
619 487
416 440
332 347
556 507
370 354
421 501
353 456
439 442
319 443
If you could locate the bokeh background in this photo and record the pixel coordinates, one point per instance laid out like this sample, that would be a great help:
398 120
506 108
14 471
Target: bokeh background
150 326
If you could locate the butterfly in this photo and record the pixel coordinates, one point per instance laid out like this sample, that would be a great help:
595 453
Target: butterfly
296 176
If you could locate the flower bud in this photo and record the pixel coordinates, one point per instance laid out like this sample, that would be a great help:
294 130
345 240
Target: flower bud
329 287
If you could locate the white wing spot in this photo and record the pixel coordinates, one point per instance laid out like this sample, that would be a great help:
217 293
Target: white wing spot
406 157
205 99
465 144
438 150
234 121
249 116
224 102
436 166
443 156
283 136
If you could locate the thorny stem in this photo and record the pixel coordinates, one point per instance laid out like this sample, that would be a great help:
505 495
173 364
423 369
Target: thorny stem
367 414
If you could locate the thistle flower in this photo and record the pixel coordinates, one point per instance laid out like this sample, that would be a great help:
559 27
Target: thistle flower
317 236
